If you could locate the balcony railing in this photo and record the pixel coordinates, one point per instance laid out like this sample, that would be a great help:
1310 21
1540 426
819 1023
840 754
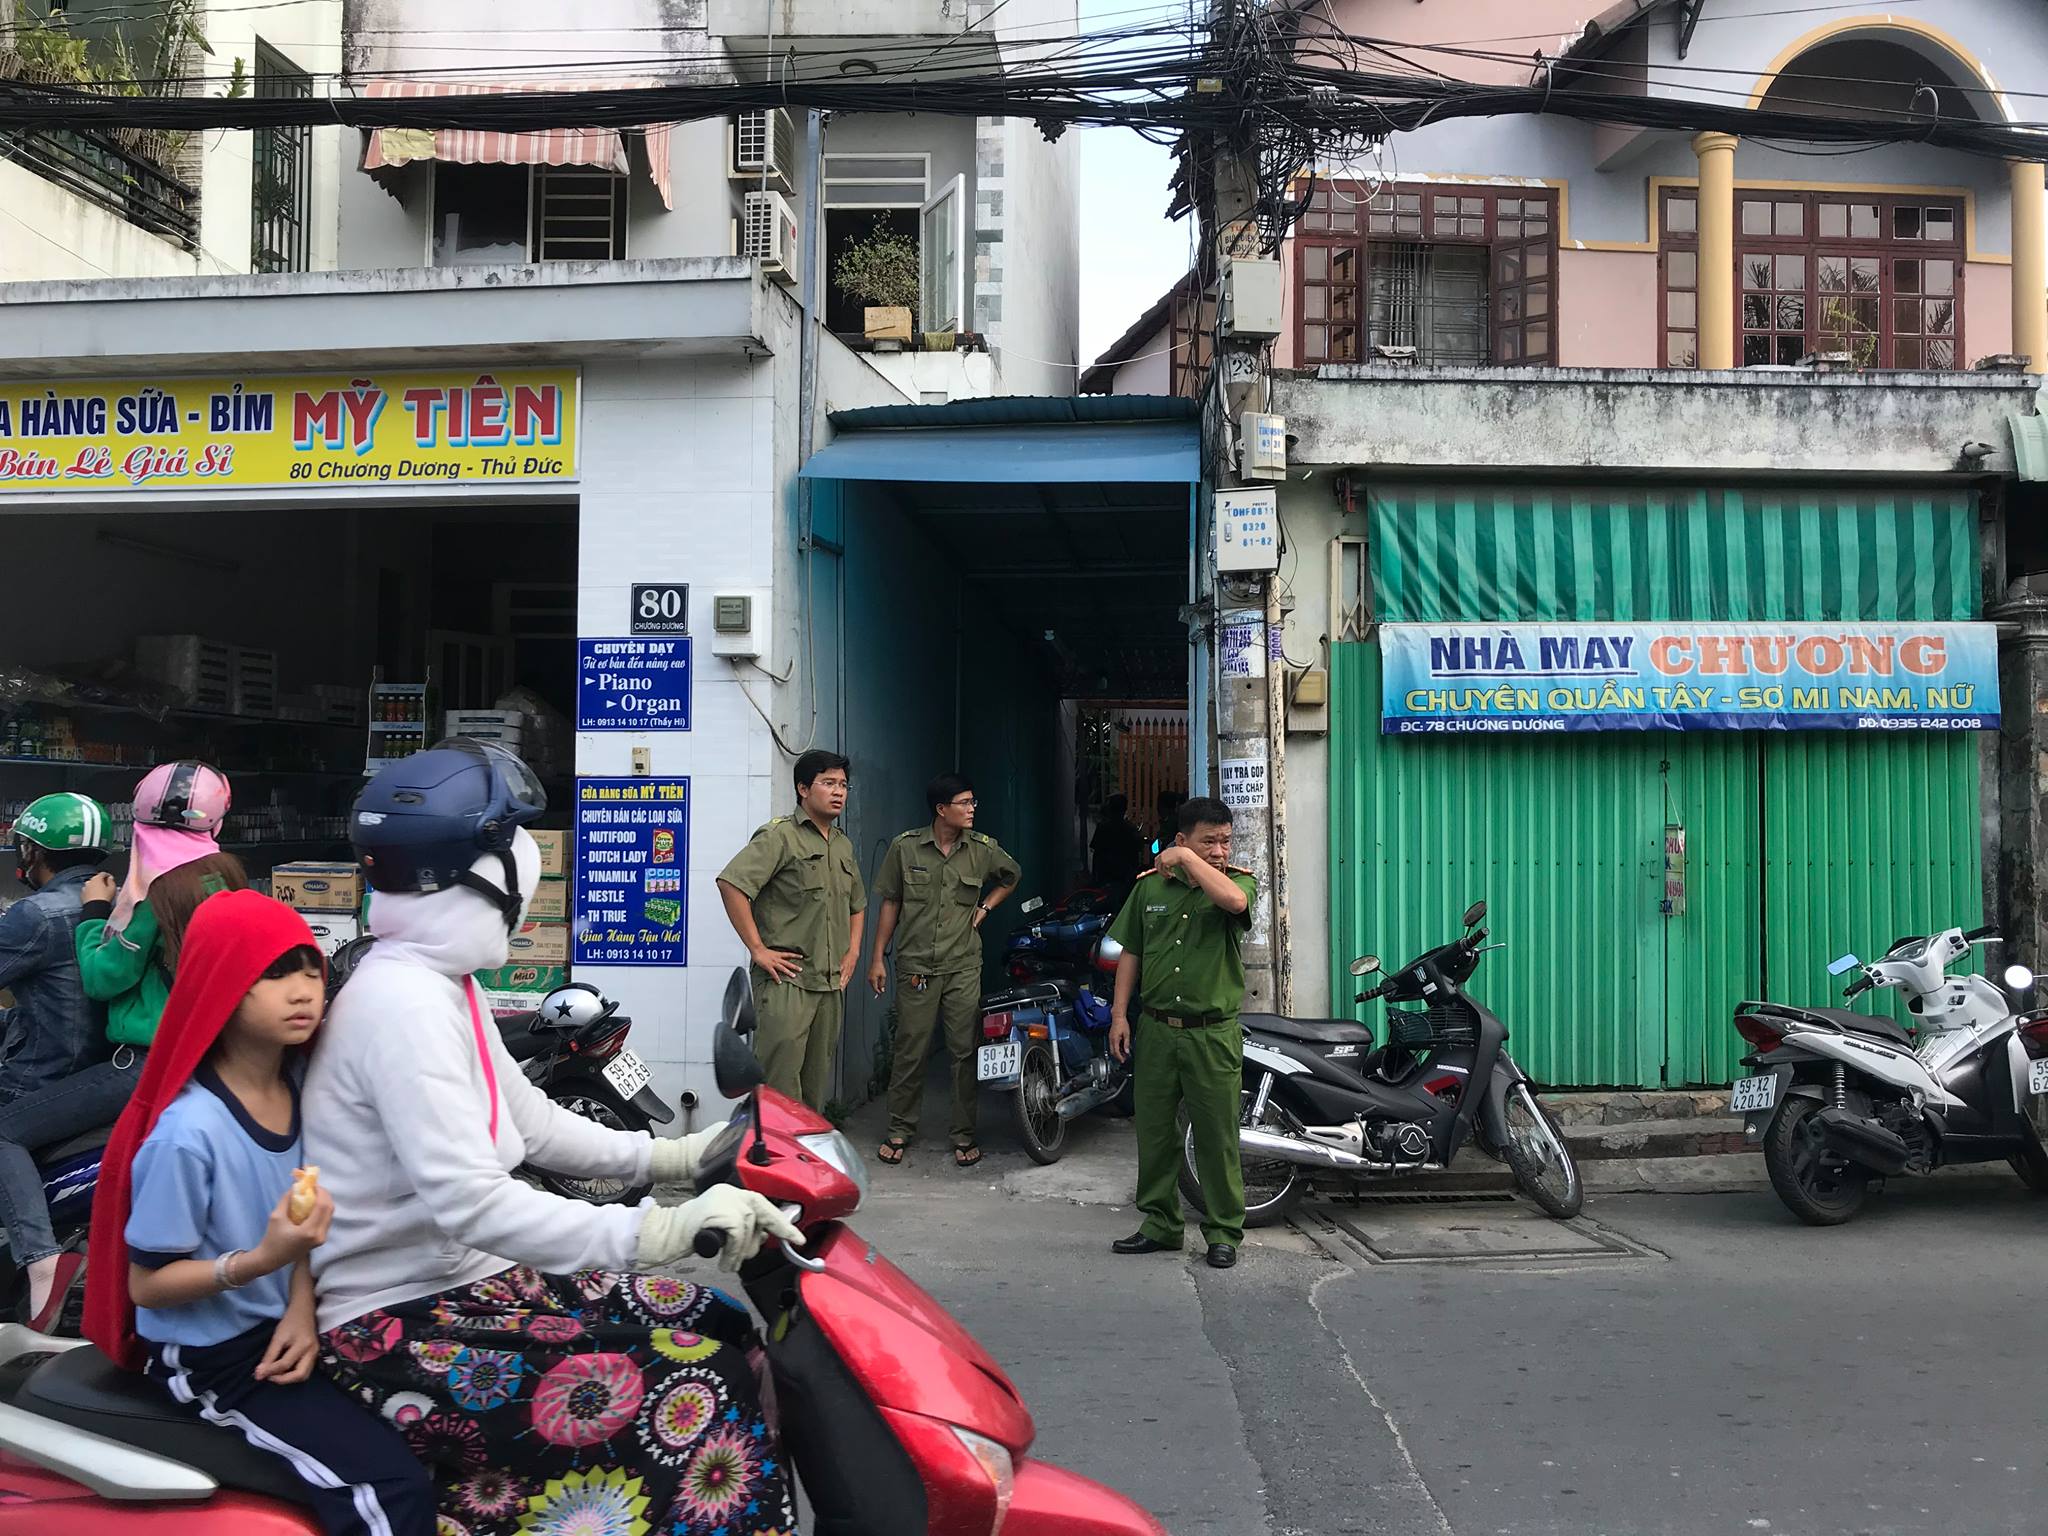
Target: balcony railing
97 169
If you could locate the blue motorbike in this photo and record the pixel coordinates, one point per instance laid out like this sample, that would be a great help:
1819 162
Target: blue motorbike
1046 1040
71 1171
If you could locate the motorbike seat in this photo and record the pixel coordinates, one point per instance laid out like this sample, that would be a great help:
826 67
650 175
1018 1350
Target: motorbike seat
523 1035
1863 1024
83 1388
1309 1031
85 1141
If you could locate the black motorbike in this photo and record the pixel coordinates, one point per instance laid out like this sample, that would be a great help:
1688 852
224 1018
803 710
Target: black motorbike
1323 1105
584 1066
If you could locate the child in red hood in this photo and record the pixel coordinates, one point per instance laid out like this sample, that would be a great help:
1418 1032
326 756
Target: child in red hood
203 1275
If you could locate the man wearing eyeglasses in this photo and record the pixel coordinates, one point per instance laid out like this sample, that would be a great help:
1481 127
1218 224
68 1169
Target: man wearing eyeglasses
937 886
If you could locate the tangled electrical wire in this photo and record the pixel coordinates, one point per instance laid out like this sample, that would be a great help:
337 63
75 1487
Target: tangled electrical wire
1279 88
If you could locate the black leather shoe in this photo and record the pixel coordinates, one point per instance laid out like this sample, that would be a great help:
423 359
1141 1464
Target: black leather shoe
1221 1256
1138 1242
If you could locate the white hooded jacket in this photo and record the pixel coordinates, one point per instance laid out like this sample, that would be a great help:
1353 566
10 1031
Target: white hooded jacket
398 1109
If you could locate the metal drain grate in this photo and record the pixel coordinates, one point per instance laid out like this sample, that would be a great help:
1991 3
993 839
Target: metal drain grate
1472 1197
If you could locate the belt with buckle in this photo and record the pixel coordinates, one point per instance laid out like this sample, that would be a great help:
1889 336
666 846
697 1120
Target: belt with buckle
1188 1020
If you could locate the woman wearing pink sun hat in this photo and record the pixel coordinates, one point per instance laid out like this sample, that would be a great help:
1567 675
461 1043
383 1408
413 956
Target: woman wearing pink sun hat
128 943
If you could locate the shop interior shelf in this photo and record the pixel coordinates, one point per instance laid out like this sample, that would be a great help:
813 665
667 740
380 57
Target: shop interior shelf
208 716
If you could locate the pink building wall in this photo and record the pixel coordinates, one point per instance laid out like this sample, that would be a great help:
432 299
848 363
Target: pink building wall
1606 309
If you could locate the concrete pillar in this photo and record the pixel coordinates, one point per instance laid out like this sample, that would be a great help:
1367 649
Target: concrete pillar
2029 265
2023 779
1716 152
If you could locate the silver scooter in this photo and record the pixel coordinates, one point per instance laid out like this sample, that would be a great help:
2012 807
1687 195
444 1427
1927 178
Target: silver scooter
1841 1100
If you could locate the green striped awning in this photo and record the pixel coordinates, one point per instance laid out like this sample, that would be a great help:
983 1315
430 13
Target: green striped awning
1479 554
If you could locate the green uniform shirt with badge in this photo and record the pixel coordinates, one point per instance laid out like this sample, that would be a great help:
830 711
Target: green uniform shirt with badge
804 889
1187 947
935 933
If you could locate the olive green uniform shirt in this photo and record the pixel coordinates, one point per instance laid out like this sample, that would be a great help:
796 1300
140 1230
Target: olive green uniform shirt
804 889
935 934
1187 947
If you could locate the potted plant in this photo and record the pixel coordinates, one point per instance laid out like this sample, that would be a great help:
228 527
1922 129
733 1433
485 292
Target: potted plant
881 271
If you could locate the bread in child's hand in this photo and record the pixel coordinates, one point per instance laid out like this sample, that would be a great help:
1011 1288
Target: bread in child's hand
304 1187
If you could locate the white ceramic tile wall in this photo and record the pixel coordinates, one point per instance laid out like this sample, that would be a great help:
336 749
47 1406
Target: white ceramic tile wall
684 479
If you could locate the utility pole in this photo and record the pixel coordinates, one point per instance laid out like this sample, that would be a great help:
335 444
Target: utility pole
1251 706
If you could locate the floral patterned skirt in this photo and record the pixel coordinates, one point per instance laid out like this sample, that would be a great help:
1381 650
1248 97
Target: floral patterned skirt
594 1404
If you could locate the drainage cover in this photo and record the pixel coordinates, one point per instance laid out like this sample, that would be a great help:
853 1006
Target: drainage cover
1484 1231
1417 1197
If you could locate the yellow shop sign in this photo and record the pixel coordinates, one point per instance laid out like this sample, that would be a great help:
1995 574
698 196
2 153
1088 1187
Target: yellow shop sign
371 428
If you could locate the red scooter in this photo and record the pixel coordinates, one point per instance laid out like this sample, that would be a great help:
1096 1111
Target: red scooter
898 1422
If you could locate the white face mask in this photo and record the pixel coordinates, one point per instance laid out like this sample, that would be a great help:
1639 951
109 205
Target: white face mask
460 930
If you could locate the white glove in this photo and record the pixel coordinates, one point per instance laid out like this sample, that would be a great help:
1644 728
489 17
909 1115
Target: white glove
676 1157
668 1232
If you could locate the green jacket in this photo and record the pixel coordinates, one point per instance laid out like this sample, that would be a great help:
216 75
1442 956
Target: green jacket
124 969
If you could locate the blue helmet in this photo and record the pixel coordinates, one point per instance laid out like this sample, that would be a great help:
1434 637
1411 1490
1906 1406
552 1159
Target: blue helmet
421 823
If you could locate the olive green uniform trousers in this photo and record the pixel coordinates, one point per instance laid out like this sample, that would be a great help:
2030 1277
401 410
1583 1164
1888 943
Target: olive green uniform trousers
797 1038
1203 1068
954 1003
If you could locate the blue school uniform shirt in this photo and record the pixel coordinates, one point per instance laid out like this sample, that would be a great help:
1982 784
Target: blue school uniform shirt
204 1183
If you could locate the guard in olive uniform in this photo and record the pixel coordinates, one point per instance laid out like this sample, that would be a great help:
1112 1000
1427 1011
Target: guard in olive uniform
941 882
795 897
1181 932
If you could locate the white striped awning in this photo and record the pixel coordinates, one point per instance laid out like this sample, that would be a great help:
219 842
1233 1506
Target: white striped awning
598 148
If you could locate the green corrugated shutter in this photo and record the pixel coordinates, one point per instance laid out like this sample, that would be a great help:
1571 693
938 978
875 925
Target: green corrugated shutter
1563 839
1866 838
1448 555
1799 845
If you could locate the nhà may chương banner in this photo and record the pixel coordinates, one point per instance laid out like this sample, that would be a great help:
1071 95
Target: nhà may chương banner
1446 678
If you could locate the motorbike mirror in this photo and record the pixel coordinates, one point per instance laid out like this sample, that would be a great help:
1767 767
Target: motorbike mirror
1032 904
1845 964
1365 965
2018 978
1475 914
734 1065
737 1011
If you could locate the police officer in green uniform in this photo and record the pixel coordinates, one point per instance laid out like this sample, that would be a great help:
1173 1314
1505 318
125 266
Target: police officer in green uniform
794 896
937 885
1181 932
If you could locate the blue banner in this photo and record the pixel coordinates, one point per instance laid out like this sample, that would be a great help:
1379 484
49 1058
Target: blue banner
640 684
1452 678
632 872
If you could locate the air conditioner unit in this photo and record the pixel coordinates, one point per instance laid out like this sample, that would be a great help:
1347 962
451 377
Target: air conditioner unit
768 234
761 143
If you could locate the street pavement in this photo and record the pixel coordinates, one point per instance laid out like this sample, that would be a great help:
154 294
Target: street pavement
1671 1364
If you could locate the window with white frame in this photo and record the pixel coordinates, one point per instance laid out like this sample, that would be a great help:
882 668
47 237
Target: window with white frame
522 213
887 193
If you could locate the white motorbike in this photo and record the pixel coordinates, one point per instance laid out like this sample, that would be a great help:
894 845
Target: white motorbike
1841 1100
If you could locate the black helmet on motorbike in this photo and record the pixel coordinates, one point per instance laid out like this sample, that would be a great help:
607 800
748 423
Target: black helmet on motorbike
421 823
575 1007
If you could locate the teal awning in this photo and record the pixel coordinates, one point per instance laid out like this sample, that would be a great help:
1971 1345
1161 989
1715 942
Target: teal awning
1102 453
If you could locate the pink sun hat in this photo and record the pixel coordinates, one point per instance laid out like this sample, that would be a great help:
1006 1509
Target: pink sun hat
179 809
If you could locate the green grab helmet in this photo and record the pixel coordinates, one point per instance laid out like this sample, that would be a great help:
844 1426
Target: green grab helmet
64 823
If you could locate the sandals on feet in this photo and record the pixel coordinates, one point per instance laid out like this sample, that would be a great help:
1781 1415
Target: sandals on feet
967 1156
892 1150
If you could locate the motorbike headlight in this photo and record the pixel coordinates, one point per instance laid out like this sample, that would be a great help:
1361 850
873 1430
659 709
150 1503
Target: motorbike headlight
832 1147
996 1462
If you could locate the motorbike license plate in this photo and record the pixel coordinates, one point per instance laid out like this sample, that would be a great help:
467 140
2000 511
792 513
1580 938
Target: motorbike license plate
994 1061
627 1074
2037 1077
1753 1093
